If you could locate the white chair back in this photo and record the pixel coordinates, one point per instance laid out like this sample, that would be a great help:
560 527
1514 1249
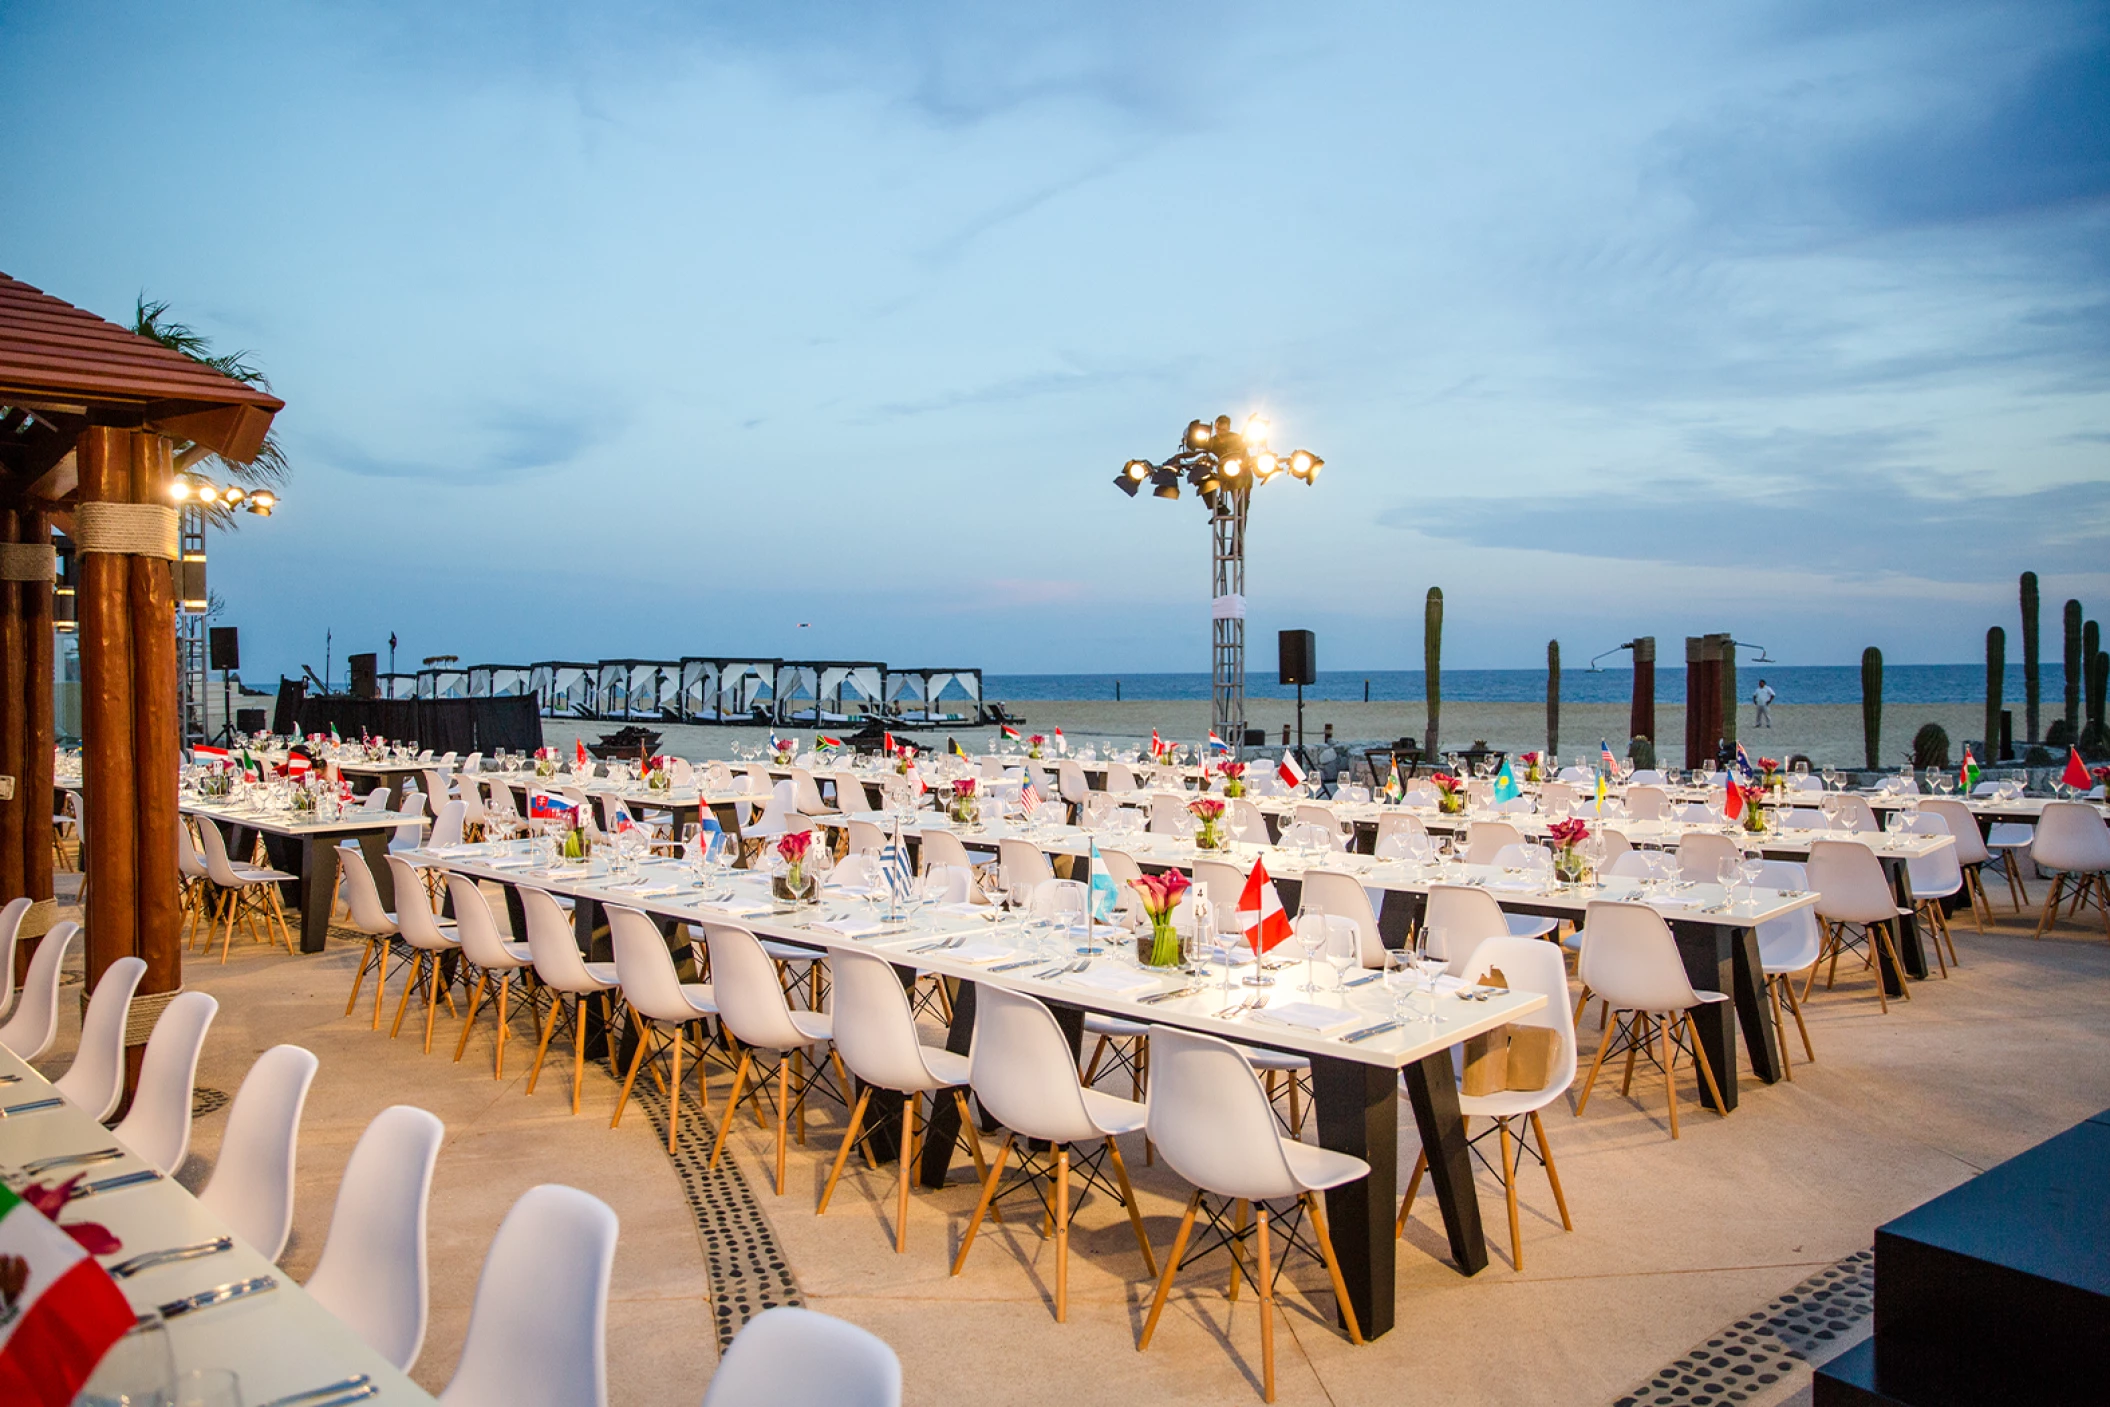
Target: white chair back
1211 1121
1970 842
874 1031
751 1002
851 798
1224 881
1938 874
411 834
1248 822
1486 838
1458 919
189 863
1647 803
1342 896
361 895
1022 1070
1023 864
539 1328
1646 777
789 1357
2071 839
1070 776
866 838
415 920
470 796
217 866
1120 778
447 828
941 848
1849 883
158 1126
475 929
1317 813
1700 855
96 1079
372 1271
35 1024
644 968
1532 965
1792 943
555 948
251 1188
1630 959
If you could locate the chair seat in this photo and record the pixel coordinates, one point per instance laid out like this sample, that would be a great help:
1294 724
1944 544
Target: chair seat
788 952
2009 835
1112 1113
1530 925
1924 894
1774 958
1261 1059
252 874
443 924
814 1025
1321 1168
519 952
602 973
947 1068
1097 1025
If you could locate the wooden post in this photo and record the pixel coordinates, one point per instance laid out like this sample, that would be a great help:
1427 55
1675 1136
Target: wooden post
34 527
107 765
1641 717
1703 698
14 682
154 730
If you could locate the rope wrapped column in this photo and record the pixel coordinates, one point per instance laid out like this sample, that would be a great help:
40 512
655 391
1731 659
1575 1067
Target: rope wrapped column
34 533
14 684
155 727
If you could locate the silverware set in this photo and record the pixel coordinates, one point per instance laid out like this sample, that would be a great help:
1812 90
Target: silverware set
1155 997
124 1270
337 1394
219 1294
1239 1008
1368 1031
953 942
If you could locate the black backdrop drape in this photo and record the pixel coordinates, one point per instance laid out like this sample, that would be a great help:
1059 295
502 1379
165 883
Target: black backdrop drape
444 725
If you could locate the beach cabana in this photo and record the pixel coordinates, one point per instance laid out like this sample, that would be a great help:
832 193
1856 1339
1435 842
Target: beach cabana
89 416
566 688
828 691
396 686
715 689
500 681
443 682
934 695
636 688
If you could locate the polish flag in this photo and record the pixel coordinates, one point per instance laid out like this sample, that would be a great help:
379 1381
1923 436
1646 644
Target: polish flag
2076 773
1260 911
1292 775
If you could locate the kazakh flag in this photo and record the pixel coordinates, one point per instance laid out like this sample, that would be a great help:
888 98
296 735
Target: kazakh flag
59 1310
1105 893
1506 788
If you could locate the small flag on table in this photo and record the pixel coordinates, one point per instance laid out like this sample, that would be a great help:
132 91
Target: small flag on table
333 734
1062 744
298 765
1394 787
827 743
59 1310
1733 803
548 806
1260 912
1292 775
1008 731
581 747
1600 793
915 778
1105 893
953 745
2076 773
889 744
251 767
1506 788
1157 746
894 865
1743 763
1967 777
1604 752
209 754
1028 794
1217 744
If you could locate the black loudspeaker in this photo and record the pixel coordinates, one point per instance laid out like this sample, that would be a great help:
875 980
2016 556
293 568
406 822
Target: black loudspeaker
1300 657
364 683
249 720
226 647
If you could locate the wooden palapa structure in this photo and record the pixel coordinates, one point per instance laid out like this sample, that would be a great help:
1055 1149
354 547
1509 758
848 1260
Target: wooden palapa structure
88 413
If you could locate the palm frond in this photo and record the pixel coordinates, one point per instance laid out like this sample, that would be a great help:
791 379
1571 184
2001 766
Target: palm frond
270 469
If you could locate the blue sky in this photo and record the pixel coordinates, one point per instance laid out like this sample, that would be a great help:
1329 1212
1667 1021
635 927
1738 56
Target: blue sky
654 330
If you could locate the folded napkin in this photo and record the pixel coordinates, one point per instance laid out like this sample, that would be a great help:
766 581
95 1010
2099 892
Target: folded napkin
1309 1016
1113 981
1512 885
978 953
964 909
849 891
1674 901
737 909
850 927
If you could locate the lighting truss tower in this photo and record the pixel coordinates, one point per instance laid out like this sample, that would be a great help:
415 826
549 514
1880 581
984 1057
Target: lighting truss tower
1223 465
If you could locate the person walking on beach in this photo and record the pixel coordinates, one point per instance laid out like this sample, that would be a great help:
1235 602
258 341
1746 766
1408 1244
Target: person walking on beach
1763 697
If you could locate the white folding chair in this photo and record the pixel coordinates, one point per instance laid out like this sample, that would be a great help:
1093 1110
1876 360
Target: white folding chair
371 1273
251 1187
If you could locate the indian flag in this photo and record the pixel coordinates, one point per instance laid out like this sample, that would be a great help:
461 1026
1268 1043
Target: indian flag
59 1310
1394 788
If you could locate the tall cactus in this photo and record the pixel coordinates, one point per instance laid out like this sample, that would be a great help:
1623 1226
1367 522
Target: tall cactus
2095 674
1995 676
2030 691
2073 668
1872 705
1432 662
1553 698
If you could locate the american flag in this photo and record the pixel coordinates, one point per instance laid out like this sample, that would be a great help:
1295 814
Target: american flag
1611 763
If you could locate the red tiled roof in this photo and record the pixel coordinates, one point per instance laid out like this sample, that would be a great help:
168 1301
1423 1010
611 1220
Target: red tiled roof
51 351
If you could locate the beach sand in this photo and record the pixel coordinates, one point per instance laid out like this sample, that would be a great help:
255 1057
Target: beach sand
1826 733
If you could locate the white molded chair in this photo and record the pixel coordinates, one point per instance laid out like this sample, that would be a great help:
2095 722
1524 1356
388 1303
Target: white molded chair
158 1126
789 1357
1630 961
429 940
753 1007
1645 777
411 834
538 1333
10 927
1972 853
246 892
1853 894
1400 824
491 955
1934 877
1526 965
875 1037
1787 946
1343 896
1486 838
851 796
2072 845
362 898
1022 864
35 1024
561 969
1120 779
1215 1127
1025 1078
1464 914
662 1006
371 1273
1647 803
1854 813
96 1079
251 1187
942 849
1700 856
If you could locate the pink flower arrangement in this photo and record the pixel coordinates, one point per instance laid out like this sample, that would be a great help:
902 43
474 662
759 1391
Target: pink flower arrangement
1446 783
1036 740
1207 809
1233 770
1161 893
1567 834
792 846
963 787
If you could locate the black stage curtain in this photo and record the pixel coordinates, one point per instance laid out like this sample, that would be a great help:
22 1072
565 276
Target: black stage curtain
444 725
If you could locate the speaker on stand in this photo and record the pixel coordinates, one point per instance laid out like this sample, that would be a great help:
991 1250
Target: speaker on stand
224 651
1298 656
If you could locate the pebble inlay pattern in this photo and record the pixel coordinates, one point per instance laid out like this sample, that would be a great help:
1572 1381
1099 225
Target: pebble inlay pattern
1759 1350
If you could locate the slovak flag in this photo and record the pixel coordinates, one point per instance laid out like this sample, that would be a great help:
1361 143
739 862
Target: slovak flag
1217 744
1062 744
2076 773
1291 774
548 806
582 752
1260 912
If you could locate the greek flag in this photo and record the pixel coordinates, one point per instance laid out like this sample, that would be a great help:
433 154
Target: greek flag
894 865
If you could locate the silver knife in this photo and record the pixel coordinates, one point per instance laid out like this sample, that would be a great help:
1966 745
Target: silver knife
1014 966
71 1160
32 1106
1155 997
1365 981
219 1294
338 1390
345 1398
112 1184
126 1269
1368 1031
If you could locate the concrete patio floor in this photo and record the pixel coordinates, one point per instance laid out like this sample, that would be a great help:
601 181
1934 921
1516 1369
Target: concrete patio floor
1673 1240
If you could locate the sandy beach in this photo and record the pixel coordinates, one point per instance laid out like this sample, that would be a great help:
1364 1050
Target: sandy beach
1826 733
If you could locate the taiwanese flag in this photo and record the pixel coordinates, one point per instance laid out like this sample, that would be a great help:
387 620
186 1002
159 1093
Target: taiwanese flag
1260 911
2076 773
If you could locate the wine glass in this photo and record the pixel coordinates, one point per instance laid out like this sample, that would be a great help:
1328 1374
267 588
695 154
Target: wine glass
1070 912
1726 875
1343 950
1311 937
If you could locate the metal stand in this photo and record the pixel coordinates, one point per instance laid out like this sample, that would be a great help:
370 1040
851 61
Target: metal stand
1227 645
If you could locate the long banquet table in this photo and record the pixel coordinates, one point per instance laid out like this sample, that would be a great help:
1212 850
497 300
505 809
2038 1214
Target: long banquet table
308 844
278 1342
1355 1085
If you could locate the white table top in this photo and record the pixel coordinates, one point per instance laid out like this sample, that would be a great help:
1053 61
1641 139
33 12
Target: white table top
669 889
278 1342
290 823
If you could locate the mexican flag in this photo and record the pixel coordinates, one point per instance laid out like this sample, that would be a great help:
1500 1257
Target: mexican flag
1967 778
59 1310
1008 731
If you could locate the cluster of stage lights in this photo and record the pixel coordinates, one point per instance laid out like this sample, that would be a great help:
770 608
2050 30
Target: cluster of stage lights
206 494
1216 461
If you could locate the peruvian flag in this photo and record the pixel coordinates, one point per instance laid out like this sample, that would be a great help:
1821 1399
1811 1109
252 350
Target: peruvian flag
62 1311
204 753
297 764
581 746
2076 773
1291 774
1260 910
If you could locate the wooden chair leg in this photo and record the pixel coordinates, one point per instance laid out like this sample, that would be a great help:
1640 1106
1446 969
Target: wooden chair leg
1238 1216
673 1091
1583 1100
359 980
1509 1194
1172 1265
784 1061
732 1105
1642 1026
981 1206
542 1046
1062 1235
1267 1309
1315 1203
1699 1055
1670 1081
842 1154
637 1058
2044 920
1553 1177
1780 1029
498 1066
1406 1203
909 1104
417 966
1128 1200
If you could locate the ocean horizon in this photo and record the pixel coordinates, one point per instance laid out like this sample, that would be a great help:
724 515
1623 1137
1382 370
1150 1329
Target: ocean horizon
1795 684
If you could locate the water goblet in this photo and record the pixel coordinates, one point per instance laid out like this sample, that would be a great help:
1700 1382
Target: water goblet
1343 951
1311 937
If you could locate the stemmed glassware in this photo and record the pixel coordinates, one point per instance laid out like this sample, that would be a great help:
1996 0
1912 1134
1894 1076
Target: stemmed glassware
1311 937
1341 952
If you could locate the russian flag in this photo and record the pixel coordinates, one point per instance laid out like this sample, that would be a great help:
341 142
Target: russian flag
1292 775
548 806
1260 911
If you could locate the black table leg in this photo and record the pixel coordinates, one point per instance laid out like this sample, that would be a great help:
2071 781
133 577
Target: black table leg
318 890
374 846
1761 1042
1907 928
944 1127
1710 965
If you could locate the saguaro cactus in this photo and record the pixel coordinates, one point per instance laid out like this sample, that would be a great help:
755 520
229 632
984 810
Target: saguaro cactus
1872 705
2030 690
1553 697
1995 676
2096 741
1432 662
2073 668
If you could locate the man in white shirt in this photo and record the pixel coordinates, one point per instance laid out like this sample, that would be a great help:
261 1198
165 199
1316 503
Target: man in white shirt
1763 697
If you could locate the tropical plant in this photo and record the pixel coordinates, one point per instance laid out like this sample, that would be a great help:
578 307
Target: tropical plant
1553 697
2030 691
270 469
2073 667
1995 677
1930 746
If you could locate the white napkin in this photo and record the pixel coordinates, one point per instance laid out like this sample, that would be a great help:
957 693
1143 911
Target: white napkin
1512 885
1113 981
979 953
852 927
736 909
963 909
1309 1016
